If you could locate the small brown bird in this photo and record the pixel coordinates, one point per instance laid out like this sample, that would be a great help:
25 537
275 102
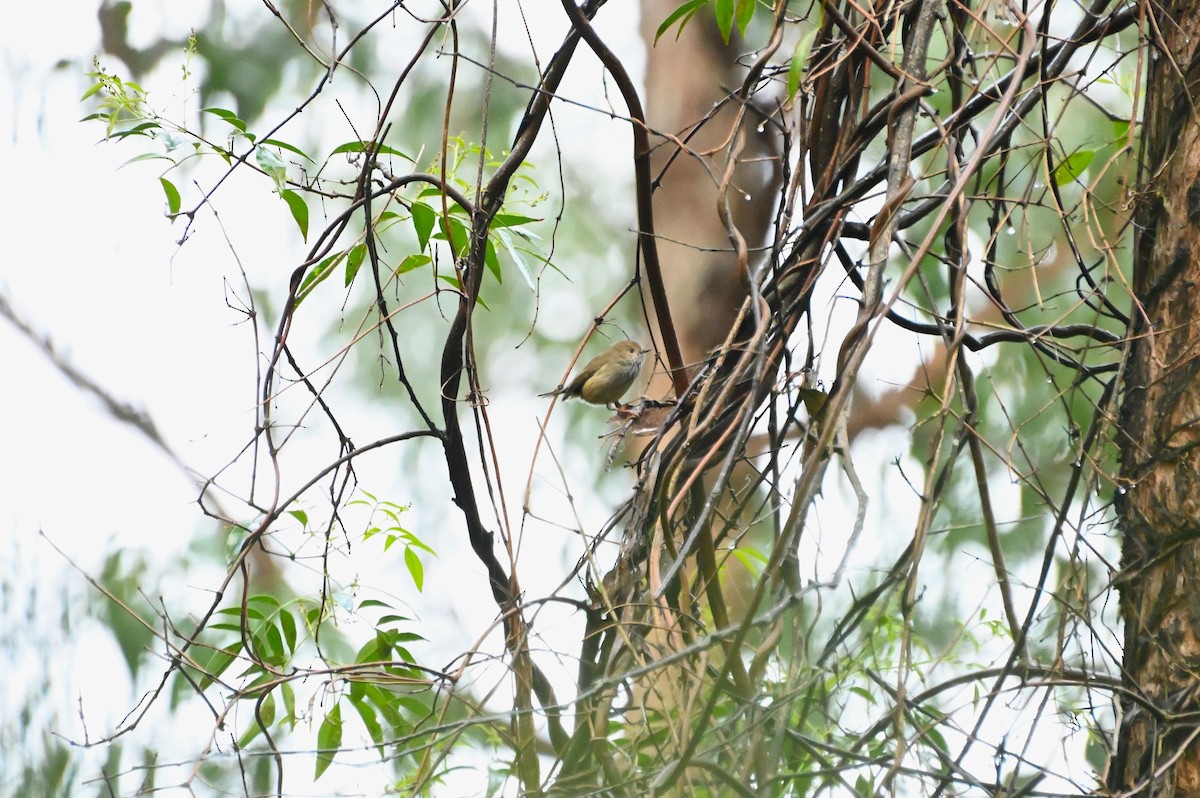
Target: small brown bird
607 376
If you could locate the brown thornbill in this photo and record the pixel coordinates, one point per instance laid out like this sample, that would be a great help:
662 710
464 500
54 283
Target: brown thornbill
607 376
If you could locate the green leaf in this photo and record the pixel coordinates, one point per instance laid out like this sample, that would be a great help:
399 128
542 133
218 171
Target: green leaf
454 230
317 275
95 87
415 706
298 208
269 161
300 516
753 561
387 704
363 146
1073 167
497 777
218 663
515 254
413 540
138 130
283 145
682 15
265 599
358 253
172 193
725 10
227 115
511 220
453 281
270 644
145 156
226 627
799 61
288 624
369 652
371 720
435 191
493 262
865 694
289 703
392 514
412 262
251 613
744 13
329 740
415 569
266 711
374 603
423 218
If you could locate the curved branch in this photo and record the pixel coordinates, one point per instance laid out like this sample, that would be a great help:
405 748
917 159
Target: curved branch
645 208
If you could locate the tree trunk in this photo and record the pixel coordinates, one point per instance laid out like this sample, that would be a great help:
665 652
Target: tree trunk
688 76
1159 745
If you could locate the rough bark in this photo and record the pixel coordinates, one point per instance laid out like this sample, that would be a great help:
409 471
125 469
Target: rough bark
1159 744
686 78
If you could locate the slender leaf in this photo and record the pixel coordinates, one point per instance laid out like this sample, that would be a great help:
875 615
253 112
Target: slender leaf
362 146
725 11
218 663
492 261
266 711
415 569
227 115
744 13
298 208
289 703
317 275
423 218
799 62
412 262
453 230
511 220
371 720
173 199
283 145
682 14
269 161
288 624
329 740
358 253
145 156
1073 167
517 259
